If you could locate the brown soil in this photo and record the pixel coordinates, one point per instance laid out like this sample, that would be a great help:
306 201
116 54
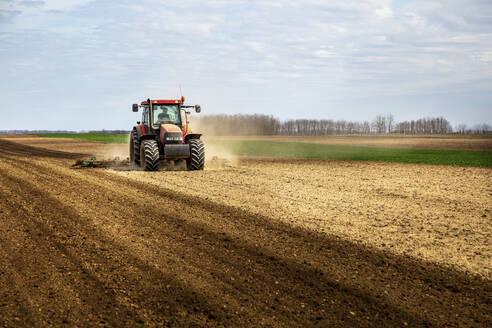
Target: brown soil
436 213
398 141
100 150
89 247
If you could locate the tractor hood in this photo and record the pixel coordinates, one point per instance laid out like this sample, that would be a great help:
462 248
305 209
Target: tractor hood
171 133
170 128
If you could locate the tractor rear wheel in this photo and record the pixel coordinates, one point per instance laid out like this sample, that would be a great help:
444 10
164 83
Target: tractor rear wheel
197 158
149 155
134 148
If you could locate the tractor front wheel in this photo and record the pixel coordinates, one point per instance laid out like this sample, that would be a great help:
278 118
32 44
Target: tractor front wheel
197 152
149 155
134 148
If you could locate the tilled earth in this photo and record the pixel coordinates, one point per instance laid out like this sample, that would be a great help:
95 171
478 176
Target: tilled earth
265 243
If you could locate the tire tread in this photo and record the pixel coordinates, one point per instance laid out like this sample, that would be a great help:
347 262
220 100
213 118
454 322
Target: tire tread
197 152
136 147
151 150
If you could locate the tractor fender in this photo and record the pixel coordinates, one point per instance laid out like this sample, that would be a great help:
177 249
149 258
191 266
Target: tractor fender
138 129
190 136
142 130
147 137
143 133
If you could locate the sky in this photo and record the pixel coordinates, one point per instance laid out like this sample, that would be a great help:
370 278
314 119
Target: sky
81 64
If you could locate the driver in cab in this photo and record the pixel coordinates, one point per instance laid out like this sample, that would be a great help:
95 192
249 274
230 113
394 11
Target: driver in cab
163 116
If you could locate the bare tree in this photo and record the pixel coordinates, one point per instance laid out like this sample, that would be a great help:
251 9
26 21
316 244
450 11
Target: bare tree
379 124
390 121
461 128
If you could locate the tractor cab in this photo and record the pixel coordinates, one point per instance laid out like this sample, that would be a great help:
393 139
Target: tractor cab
158 112
165 124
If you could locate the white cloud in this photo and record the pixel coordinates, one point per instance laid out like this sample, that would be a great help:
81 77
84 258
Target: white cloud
324 53
485 56
58 5
335 48
383 12
256 46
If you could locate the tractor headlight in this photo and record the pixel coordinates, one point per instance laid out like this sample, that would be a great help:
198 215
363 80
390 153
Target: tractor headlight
176 137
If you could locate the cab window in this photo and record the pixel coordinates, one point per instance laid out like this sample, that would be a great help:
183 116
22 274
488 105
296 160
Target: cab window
165 114
145 115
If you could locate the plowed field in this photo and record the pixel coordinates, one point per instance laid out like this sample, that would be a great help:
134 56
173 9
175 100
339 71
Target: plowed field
264 243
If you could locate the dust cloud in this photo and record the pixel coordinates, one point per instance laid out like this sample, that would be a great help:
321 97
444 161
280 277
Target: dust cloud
237 125
115 151
216 155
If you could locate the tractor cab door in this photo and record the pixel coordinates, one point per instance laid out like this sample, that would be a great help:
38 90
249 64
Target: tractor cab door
145 116
145 124
184 122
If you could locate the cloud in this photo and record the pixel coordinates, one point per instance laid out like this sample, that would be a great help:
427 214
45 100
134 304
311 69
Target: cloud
59 5
324 53
485 56
31 3
328 49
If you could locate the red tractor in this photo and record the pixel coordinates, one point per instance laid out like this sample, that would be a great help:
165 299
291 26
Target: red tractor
164 135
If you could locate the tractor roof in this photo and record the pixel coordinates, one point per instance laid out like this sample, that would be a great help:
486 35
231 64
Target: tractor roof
173 101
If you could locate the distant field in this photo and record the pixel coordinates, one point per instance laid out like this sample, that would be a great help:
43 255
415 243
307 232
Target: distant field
323 151
304 149
447 142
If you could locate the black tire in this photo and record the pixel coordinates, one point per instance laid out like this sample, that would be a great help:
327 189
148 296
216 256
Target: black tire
134 148
197 155
149 155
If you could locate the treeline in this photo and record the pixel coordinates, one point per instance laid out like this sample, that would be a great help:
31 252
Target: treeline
477 129
437 125
109 131
268 125
257 124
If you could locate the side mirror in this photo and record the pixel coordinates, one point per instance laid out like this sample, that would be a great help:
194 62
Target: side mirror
135 107
198 109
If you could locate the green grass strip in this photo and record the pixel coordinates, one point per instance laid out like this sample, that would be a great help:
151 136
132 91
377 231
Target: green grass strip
322 151
99 137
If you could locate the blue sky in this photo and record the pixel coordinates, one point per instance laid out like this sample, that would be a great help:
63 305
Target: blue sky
80 64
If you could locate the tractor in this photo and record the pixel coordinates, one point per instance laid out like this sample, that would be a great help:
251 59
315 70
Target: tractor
164 134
